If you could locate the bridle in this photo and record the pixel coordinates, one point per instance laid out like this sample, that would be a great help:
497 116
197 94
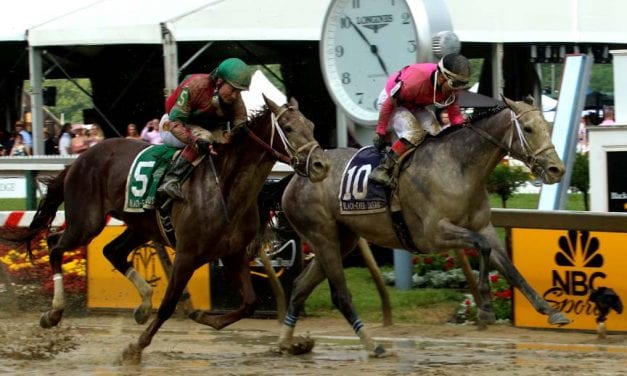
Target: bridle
527 155
294 155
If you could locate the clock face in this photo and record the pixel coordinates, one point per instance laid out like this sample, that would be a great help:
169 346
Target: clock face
363 42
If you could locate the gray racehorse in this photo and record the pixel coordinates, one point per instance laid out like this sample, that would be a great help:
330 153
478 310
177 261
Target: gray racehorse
444 200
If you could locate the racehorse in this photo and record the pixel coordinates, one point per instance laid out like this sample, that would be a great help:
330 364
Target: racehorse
444 201
214 221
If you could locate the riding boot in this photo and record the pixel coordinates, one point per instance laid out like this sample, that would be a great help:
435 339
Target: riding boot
383 173
174 177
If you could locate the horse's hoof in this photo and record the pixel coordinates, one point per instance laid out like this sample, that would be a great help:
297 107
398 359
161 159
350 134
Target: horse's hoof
486 317
298 345
195 315
49 320
379 352
558 318
141 314
132 355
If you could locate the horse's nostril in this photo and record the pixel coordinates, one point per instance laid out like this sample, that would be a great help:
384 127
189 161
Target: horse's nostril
554 170
319 165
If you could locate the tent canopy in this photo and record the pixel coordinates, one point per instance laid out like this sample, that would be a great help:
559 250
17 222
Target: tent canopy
92 22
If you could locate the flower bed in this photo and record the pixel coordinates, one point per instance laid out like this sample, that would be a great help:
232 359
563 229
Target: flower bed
31 280
442 270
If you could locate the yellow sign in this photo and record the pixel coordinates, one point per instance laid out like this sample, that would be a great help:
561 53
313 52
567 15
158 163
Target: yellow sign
107 288
563 267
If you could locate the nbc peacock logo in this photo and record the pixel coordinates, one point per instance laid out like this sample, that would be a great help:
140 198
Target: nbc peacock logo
578 263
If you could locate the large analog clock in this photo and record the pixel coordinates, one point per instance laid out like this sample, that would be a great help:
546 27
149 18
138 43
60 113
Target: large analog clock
363 42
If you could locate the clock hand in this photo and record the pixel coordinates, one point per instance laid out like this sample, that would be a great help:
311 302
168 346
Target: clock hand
373 47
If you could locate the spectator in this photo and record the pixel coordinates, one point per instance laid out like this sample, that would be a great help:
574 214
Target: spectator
26 136
608 116
131 132
151 133
95 135
50 144
19 149
80 142
65 140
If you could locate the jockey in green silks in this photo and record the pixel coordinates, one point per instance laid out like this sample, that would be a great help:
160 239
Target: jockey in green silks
207 99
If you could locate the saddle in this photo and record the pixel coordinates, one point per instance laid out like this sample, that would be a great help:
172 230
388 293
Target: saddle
358 195
145 176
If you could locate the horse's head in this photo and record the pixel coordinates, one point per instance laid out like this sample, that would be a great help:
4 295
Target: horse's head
531 142
297 135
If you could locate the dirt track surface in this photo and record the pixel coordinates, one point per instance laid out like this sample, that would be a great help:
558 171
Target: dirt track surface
92 346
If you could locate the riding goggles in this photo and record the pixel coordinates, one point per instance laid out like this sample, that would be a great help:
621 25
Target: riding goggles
453 80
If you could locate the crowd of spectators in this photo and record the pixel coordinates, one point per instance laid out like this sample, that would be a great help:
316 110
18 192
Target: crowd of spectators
68 139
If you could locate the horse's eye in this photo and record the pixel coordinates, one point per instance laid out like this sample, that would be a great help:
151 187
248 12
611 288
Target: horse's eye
288 128
527 129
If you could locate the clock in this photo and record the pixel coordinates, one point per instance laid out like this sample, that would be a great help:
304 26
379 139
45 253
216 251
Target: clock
364 41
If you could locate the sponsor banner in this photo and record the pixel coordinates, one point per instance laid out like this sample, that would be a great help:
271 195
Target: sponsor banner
563 267
107 288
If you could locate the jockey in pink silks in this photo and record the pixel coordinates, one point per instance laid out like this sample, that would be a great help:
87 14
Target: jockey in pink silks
403 105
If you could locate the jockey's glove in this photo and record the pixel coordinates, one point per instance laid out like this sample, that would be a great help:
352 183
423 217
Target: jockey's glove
379 142
203 146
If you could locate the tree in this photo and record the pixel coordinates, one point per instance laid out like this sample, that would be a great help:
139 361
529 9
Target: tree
580 179
505 179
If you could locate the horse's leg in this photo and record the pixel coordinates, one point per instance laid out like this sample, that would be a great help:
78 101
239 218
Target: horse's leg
238 270
502 262
453 236
182 270
72 238
303 286
327 244
117 252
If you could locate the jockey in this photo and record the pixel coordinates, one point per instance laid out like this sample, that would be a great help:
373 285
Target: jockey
403 101
207 99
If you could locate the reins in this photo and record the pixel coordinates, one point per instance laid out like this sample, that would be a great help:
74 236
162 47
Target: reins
527 154
292 157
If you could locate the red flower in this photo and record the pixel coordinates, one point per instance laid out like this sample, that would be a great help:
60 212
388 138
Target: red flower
415 260
470 252
428 260
494 278
505 294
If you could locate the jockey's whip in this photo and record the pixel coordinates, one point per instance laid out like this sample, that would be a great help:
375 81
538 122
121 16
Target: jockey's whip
215 174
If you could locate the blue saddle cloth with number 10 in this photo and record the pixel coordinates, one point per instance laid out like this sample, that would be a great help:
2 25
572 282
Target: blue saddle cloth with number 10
357 194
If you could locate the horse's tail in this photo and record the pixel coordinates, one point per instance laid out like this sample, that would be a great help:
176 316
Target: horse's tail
46 211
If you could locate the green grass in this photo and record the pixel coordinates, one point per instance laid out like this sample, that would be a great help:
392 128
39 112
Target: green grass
418 306
9 204
530 201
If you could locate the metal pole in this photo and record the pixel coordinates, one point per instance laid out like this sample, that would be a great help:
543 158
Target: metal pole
403 269
37 114
31 190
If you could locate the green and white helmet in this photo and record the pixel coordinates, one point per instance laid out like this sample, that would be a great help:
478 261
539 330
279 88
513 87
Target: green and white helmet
235 72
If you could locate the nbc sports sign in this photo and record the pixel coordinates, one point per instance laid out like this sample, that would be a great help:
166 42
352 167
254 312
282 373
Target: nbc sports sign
563 266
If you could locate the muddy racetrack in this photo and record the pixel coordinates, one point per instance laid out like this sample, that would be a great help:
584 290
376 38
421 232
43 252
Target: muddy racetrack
92 345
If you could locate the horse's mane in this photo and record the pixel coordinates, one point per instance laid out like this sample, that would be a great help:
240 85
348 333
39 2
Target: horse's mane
477 116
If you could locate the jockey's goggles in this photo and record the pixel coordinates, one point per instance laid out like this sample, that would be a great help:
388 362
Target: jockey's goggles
455 81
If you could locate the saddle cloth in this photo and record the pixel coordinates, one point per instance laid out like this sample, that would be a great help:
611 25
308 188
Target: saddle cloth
357 194
144 177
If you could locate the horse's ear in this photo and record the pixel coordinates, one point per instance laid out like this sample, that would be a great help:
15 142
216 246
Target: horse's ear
271 105
293 103
511 104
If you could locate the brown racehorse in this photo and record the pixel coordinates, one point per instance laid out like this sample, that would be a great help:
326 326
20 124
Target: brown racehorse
445 203
93 187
